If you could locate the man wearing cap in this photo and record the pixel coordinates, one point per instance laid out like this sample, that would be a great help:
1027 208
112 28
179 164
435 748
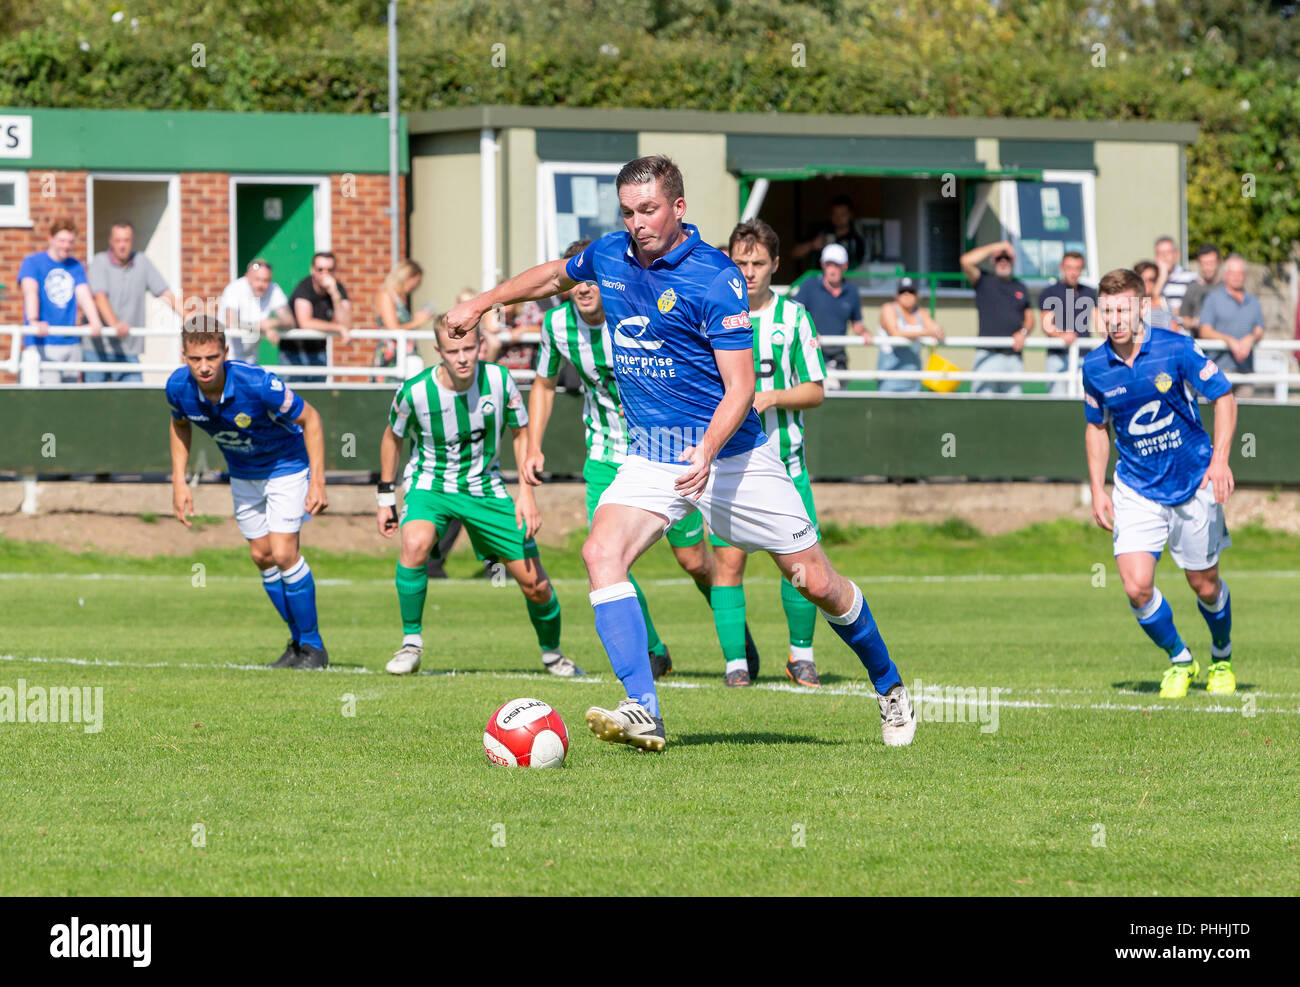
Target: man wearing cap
833 306
1002 304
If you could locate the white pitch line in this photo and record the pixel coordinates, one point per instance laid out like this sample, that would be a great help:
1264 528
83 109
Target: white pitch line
851 689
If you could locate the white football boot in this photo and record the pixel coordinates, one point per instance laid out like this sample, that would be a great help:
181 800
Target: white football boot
897 717
557 664
405 661
630 724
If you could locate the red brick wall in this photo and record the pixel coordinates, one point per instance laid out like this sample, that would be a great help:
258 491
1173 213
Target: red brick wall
359 233
53 194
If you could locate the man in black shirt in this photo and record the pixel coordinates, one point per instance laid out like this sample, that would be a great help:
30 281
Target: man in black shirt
1067 314
840 229
1002 304
320 302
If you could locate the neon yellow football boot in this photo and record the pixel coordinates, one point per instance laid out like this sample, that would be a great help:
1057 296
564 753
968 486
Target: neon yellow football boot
1221 680
1177 679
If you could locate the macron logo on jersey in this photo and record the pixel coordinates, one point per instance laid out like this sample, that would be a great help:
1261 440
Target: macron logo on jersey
616 285
735 286
637 326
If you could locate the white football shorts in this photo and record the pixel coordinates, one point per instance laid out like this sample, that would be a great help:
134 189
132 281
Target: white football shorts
1195 529
277 504
750 501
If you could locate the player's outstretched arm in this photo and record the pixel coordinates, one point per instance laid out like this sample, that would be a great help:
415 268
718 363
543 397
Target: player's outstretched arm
1225 427
1096 442
537 282
527 515
313 435
541 399
182 499
801 397
390 448
736 368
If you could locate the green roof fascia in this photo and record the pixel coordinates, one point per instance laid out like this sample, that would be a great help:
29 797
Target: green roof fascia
812 171
195 140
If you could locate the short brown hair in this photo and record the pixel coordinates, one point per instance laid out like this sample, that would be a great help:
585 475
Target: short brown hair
1073 255
61 223
199 329
440 331
1121 281
755 231
575 248
1142 266
654 168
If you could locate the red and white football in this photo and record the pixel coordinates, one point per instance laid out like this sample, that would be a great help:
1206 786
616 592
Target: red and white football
526 733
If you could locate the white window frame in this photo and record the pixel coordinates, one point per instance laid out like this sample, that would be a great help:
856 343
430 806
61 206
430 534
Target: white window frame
19 215
548 245
1009 203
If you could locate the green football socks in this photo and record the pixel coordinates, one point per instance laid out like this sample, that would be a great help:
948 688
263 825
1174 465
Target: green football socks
412 587
728 603
800 616
546 621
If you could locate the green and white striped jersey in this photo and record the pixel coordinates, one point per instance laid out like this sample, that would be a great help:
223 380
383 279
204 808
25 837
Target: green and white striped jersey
565 334
786 352
456 435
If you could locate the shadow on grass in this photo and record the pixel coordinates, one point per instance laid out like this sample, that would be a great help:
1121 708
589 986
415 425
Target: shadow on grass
693 739
1199 686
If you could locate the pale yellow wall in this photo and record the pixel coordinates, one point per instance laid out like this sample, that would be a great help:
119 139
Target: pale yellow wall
445 222
518 246
1137 200
712 192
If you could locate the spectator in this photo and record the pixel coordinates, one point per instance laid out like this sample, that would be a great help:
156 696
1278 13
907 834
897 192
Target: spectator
1174 279
320 302
1207 260
120 278
833 306
393 305
1067 308
55 290
1234 316
1002 306
253 306
1157 312
840 229
901 324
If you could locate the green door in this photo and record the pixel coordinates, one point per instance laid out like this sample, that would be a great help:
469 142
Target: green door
276 222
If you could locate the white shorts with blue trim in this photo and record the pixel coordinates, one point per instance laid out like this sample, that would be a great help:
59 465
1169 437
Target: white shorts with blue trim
750 501
1195 529
278 503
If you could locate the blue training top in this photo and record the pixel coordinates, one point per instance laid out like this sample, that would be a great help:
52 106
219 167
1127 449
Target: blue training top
665 322
252 423
1164 449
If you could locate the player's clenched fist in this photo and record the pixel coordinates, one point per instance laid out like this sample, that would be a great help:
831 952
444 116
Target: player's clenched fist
464 317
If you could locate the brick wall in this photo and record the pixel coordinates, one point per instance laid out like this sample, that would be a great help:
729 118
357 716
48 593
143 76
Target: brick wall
360 234
205 235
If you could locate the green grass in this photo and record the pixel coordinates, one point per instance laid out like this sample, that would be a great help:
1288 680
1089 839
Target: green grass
294 797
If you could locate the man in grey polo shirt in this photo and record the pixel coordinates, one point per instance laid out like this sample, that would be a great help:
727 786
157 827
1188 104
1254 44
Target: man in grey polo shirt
119 280
1234 316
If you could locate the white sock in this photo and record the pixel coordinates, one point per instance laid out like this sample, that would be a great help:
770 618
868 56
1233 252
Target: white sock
416 639
1184 657
551 656
737 665
801 654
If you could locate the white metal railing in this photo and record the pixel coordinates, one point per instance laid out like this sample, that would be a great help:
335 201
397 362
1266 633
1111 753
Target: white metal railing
27 364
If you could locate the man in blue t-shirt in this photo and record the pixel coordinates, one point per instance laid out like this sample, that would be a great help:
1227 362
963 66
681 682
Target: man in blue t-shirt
275 453
1171 482
54 288
683 358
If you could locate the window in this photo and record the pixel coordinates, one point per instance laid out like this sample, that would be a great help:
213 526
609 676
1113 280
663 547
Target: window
575 202
1046 219
15 203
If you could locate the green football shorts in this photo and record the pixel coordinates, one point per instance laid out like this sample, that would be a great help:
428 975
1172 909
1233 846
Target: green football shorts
490 522
599 475
804 486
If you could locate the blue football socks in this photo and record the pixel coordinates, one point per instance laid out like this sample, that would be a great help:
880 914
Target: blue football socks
273 583
858 629
621 629
1218 615
1157 619
300 601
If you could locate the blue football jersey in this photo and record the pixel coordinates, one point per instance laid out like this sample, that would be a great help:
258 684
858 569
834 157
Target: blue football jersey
252 423
1164 449
664 322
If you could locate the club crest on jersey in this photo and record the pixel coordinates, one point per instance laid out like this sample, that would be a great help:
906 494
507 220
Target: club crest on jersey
486 406
1163 382
242 420
636 327
778 337
667 300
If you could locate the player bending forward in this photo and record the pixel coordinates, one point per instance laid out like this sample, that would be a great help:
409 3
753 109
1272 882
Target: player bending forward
275 454
683 357
1170 483
578 330
789 370
455 414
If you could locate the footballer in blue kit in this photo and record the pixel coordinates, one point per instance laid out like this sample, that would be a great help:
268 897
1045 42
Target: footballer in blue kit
274 448
1171 481
678 311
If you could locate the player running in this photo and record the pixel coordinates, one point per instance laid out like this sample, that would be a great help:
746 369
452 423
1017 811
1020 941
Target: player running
577 330
789 370
275 453
455 414
683 357
1170 483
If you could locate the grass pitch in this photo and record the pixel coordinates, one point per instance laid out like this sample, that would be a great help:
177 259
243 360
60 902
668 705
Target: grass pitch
212 775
